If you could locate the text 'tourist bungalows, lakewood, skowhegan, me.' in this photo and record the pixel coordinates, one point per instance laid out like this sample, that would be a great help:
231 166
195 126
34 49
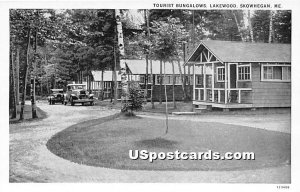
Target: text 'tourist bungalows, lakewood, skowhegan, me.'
215 6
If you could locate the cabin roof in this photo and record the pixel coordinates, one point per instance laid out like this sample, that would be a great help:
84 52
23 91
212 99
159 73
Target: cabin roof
234 51
139 67
107 76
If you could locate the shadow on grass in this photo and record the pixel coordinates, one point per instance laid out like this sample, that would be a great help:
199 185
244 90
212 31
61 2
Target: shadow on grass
27 115
156 143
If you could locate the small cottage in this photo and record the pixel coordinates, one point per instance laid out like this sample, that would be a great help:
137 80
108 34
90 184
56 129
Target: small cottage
231 74
137 70
96 84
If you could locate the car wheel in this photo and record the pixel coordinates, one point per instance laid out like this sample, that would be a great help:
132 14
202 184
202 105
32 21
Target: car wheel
82 104
72 103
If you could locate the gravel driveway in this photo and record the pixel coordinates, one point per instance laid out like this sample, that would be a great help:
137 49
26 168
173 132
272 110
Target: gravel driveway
31 161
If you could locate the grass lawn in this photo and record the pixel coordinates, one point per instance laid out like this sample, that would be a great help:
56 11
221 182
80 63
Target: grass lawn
106 143
161 108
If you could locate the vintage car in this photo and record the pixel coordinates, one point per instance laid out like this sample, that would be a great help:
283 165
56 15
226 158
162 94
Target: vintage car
77 93
57 96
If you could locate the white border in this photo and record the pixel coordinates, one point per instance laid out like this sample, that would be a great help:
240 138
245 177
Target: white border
141 4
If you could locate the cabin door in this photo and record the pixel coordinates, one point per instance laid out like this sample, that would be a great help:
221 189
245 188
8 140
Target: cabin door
232 75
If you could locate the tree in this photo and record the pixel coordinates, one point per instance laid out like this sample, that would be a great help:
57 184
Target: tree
25 76
173 85
169 37
121 48
150 53
13 87
238 25
282 26
136 99
24 24
250 26
271 29
147 51
274 26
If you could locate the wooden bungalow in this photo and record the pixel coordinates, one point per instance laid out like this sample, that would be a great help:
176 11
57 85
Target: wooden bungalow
241 75
137 70
96 84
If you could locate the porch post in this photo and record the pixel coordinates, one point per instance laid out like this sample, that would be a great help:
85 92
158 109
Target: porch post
239 97
213 82
194 83
225 82
204 81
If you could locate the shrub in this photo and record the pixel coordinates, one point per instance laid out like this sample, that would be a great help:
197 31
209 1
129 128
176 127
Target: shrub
136 99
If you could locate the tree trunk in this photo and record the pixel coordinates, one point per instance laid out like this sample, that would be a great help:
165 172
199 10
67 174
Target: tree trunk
173 85
102 85
124 97
189 83
33 103
193 30
152 79
46 63
184 73
166 98
114 87
24 81
160 84
238 26
271 27
146 78
13 88
152 85
250 27
88 79
48 87
147 54
18 77
182 81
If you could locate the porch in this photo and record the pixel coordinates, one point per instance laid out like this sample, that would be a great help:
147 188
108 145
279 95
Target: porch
220 84
220 98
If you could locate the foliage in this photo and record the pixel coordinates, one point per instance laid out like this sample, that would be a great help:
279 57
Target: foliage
168 38
136 99
281 25
73 40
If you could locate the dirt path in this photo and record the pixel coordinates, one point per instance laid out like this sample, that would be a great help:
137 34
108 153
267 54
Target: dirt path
31 161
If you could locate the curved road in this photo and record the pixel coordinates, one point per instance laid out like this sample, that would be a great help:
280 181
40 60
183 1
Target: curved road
31 161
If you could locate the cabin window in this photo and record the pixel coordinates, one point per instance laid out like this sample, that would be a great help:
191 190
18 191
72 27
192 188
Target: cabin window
142 79
220 74
168 80
158 79
177 80
149 79
244 72
276 73
189 80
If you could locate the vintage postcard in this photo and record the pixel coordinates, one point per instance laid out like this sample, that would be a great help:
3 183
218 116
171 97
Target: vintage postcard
151 92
